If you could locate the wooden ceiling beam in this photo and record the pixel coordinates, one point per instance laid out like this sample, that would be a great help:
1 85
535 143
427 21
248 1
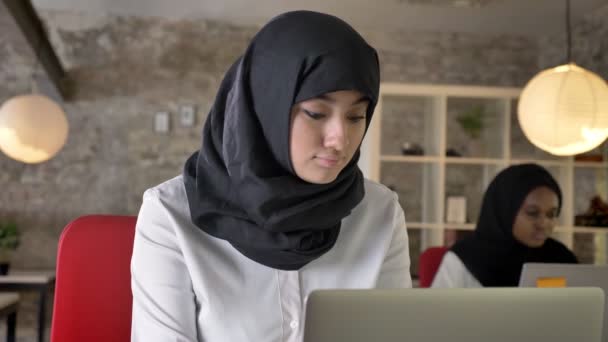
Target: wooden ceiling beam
33 30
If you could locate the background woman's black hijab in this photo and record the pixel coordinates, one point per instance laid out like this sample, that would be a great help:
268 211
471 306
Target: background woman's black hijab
241 186
491 253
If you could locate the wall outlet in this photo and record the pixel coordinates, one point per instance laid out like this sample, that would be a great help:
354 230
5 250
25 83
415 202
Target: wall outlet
187 115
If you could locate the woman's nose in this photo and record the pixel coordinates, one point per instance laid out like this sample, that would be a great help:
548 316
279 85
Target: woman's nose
336 136
546 223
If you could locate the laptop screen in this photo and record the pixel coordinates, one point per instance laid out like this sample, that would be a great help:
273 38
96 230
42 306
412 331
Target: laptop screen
453 315
566 275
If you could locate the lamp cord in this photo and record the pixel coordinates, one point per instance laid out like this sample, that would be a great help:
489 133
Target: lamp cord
568 33
37 63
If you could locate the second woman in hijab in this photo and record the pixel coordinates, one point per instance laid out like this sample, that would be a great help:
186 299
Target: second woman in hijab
518 214
273 205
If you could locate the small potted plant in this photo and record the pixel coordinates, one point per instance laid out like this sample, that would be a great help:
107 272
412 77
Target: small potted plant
471 120
9 241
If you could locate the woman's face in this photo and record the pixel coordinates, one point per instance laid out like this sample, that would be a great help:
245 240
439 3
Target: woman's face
325 134
536 218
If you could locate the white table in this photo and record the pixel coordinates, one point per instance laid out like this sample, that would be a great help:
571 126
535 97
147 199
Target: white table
9 302
39 281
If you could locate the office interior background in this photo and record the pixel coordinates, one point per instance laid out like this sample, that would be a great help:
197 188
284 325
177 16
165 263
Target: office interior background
130 63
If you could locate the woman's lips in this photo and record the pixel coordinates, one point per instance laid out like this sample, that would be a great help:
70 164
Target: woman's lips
327 161
539 236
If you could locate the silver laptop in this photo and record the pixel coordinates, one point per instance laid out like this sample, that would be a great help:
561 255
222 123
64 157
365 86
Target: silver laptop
534 274
455 315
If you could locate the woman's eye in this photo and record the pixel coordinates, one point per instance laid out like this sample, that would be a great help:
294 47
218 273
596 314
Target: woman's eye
536 215
356 118
533 214
314 115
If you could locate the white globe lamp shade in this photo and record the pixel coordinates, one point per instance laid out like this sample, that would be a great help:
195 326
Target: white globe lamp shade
33 128
564 110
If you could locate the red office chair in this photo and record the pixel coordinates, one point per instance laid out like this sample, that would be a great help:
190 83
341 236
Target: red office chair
93 285
429 262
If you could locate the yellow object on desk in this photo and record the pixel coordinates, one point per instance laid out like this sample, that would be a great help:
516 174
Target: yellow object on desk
551 282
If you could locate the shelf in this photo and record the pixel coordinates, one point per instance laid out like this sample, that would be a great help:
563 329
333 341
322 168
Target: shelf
471 226
423 225
387 88
580 229
485 161
459 226
474 161
447 160
456 226
409 159
591 164
481 124
540 162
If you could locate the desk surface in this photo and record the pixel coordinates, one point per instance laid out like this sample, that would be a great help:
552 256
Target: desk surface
41 281
28 277
8 298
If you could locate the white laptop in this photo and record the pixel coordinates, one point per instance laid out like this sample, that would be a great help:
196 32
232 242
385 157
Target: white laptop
567 275
455 315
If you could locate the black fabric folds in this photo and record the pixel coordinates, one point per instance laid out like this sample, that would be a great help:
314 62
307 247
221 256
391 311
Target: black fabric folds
491 253
241 186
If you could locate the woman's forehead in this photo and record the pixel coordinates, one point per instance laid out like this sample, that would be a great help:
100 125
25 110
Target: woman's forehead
352 97
541 195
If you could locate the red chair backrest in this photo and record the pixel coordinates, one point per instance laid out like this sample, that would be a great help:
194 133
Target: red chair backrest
93 287
429 262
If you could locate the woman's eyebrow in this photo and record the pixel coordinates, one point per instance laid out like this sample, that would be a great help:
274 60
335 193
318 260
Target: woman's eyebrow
537 207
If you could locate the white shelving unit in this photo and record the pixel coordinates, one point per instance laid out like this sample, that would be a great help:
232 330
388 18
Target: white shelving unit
429 115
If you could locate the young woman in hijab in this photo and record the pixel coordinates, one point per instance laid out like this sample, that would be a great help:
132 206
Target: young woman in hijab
518 214
273 205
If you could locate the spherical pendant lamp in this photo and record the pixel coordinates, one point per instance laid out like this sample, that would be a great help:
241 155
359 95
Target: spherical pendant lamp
33 128
564 110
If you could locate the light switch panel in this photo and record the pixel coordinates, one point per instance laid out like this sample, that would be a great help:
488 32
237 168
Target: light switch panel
161 122
187 115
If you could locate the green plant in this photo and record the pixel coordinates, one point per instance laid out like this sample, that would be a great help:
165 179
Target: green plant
471 120
9 236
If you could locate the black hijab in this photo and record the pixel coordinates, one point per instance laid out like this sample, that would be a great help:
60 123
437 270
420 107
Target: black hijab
241 185
491 253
